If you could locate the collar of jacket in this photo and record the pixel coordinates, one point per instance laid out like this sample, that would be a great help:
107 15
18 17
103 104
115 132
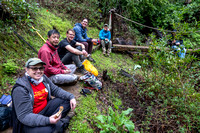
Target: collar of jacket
51 46
80 25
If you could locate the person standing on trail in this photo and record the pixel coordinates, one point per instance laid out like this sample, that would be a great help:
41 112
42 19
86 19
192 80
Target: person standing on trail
81 36
54 68
70 51
105 37
33 108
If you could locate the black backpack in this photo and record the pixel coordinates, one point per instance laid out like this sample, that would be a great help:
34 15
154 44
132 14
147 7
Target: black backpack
5 117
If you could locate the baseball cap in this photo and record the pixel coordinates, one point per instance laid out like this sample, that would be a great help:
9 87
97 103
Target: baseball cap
105 25
33 61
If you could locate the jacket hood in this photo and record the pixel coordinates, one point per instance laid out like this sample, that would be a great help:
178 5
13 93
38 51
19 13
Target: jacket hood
78 24
20 82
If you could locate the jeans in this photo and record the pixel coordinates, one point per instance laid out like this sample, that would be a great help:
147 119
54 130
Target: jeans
88 46
51 108
104 43
65 78
70 57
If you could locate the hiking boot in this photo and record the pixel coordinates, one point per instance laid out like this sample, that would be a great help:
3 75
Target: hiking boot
81 70
108 52
70 114
65 123
91 59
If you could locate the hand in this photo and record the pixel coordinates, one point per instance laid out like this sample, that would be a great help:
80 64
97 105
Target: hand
106 39
53 119
67 71
174 41
73 104
94 40
84 53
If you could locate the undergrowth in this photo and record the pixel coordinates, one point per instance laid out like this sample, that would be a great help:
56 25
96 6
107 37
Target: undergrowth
86 111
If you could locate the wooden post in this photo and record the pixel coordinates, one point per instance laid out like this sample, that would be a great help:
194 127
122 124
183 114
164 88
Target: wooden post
112 22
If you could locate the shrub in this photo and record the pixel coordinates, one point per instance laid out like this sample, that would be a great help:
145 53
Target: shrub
10 67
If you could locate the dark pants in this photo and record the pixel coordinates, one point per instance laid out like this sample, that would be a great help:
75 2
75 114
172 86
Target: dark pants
51 108
70 57
88 46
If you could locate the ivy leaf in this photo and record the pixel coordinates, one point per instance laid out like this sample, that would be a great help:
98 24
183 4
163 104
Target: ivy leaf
130 126
102 118
126 112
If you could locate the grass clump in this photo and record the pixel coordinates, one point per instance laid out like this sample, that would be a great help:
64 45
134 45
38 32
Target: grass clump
86 111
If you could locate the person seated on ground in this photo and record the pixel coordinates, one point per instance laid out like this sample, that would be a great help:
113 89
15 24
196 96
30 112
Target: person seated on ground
54 68
105 37
81 36
70 50
177 45
34 111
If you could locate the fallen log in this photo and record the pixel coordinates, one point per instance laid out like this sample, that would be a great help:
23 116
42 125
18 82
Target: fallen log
124 48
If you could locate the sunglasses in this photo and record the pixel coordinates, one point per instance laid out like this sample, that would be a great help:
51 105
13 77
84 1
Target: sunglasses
37 68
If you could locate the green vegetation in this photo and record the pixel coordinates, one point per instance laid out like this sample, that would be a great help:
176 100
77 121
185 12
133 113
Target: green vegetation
10 67
167 88
162 14
17 13
169 84
115 122
86 113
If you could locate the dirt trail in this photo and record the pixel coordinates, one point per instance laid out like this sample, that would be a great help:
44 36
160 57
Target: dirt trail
74 89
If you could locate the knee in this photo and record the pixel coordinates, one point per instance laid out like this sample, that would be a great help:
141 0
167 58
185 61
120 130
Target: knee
74 57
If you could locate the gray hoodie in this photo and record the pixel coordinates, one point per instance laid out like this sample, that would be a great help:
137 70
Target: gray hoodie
23 99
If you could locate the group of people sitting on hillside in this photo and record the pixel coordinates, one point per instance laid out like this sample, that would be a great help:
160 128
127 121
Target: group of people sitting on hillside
34 108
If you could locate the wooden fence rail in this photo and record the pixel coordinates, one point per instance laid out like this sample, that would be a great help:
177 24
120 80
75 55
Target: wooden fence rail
123 48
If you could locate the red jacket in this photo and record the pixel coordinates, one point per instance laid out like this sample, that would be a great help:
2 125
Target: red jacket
48 54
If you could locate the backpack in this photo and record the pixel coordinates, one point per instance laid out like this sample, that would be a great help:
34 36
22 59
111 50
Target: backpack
5 112
92 80
5 117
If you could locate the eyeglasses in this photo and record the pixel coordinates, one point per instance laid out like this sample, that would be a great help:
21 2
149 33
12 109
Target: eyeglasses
37 68
85 21
71 34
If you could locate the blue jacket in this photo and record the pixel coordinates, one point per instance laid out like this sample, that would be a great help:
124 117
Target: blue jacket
103 34
80 33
